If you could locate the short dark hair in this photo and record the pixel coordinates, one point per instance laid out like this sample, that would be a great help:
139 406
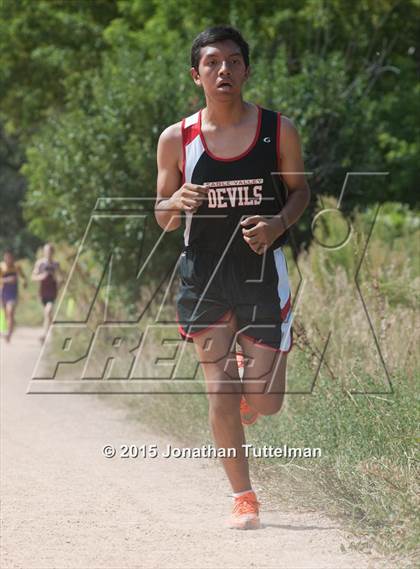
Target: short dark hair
215 34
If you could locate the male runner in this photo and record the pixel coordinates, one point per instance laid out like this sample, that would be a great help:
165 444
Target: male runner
44 272
215 167
9 277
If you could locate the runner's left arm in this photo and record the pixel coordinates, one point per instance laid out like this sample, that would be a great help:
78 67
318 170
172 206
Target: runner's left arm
291 168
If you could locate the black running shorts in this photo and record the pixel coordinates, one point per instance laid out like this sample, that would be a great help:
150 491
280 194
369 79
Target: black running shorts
256 289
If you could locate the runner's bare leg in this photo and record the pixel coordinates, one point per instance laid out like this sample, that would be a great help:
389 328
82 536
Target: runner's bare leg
224 391
47 318
10 319
264 378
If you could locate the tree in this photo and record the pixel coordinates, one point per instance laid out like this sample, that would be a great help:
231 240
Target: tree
13 231
44 48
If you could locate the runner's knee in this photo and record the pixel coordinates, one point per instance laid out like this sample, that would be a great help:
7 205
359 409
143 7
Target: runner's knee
223 396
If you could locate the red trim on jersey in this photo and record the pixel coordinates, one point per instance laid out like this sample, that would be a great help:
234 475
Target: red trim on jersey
278 139
188 135
285 309
190 132
247 151
257 343
183 150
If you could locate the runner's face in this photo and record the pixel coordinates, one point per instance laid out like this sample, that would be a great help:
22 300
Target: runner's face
221 71
48 251
8 259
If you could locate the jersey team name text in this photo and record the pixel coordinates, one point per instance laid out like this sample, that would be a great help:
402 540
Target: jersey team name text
234 193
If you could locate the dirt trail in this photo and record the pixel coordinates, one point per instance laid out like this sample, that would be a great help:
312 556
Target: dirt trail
65 506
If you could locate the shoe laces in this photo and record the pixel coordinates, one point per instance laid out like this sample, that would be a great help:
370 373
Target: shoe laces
246 504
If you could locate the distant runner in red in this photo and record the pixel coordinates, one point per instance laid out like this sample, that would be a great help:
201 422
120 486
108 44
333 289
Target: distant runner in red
46 271
215 167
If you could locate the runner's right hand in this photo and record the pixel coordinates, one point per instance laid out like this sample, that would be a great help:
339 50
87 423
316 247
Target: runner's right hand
189 197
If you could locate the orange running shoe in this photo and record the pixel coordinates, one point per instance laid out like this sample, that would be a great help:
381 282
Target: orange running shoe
248 414
245 513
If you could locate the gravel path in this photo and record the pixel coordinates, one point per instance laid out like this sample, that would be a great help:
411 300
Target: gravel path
66 506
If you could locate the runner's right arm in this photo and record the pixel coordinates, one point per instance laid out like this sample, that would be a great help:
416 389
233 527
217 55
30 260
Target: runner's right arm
36 275
172 197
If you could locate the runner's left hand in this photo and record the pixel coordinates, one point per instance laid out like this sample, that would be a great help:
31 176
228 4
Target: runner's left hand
262 235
